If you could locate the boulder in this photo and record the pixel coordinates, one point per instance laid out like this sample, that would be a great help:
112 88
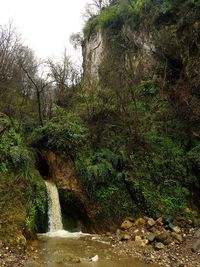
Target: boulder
162 237
196 246
159 221
118 232
95 258
159 246
141 242
126 225
177 230
176 236
138 238
174 228
168 219
151 237
151 222
139 222
125 237
197 233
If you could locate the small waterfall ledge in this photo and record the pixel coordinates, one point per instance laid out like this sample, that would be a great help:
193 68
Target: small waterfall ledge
55 216
54 210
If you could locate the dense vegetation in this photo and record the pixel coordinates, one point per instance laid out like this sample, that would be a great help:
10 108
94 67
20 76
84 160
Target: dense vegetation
135 149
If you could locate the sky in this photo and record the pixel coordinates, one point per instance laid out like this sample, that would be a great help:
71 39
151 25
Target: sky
45 25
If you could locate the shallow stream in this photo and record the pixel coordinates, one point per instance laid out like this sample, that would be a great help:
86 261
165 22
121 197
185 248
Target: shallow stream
78 250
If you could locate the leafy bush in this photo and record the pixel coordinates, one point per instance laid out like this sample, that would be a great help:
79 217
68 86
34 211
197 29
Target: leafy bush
114 17
14 154
99 169
115 202
158 176
194 156
64 134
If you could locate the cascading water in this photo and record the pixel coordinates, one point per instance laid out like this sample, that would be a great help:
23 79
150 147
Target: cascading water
54 210
55 216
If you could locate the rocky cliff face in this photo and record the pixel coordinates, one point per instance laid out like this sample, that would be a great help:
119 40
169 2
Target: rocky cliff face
93 55
62 172
164 47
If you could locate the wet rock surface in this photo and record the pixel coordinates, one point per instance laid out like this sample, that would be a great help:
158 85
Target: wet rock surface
165 242
152 243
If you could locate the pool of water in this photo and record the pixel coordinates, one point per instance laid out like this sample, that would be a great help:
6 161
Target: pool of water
78 250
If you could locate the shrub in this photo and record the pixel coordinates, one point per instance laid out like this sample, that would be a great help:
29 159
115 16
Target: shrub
64 134
14 154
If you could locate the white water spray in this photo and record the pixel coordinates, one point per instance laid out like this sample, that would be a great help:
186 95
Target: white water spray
54 210
55 216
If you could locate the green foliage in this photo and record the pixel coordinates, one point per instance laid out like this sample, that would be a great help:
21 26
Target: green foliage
64 134
114 17
98 169
14 154
115 202
36 205
159 181
194 157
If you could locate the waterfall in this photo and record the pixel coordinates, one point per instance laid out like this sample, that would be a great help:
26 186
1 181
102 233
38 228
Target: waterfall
54 210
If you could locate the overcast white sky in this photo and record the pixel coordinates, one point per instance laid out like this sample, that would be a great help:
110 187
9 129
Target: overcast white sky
45 25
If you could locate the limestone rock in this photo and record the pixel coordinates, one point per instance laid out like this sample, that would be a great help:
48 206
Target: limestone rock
138 238
196 246
151 222
126 225
168 219
95 258
159 221
139 222
174 228
177 230
118 232
197 233
162 237
126 237
151 237
159 246
176 236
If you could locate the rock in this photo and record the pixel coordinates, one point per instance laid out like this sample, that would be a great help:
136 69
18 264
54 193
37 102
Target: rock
195 222
159 221
167 241
95 258
131 219
196 246
126 225
168 219
118 232
197 233
162 237
176 236
141 242
177 230
159 246
126 237
151 237
138 238
174 228
151 222
139 222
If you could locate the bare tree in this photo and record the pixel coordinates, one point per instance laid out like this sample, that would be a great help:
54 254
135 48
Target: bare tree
95 7
76 39
65 76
